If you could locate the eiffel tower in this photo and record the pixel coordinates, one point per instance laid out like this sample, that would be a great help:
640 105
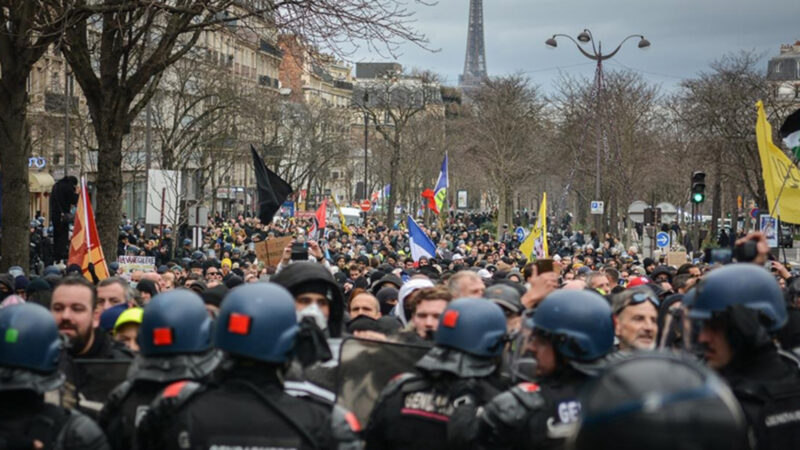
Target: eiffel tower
475 61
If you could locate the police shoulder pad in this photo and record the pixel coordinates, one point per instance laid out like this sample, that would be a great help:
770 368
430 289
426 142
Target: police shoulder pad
120 393
399 382
179 392
529 395
81 432
513 406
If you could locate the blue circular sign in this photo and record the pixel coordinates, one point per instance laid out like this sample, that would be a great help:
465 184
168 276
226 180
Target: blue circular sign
520 232
662 239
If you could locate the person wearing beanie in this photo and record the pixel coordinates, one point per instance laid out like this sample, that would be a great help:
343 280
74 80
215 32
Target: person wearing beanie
21 286
649 265
387 280
387 297
109 317
148 289
212 297
232 281
6 285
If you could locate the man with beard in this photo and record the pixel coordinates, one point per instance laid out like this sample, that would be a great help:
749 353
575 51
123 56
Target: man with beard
29 357
73 303
636 318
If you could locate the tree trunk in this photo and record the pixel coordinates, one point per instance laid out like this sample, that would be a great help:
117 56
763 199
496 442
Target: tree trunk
109 186
502 209
613 214
14 153
716 202
734 210
394 166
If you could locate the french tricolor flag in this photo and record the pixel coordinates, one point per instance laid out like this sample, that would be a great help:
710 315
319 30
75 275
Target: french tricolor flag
421 244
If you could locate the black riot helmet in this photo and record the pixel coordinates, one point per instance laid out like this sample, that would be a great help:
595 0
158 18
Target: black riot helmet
659 401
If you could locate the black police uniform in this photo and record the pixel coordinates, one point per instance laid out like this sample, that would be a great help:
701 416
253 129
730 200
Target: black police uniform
415 411
125 408
534 416
78 379
459 372
129 402
25 418
767 386
247 409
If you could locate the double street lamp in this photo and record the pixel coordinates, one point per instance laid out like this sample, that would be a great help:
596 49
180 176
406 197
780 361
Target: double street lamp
597 54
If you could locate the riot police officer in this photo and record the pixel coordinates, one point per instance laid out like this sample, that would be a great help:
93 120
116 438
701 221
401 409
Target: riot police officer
659 402
30 349
568 335
415 411
247 406
737 310
175 344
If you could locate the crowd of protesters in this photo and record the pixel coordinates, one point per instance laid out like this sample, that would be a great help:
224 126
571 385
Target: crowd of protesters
367 284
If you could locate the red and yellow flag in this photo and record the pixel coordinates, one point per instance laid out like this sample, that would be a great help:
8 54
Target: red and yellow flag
84 248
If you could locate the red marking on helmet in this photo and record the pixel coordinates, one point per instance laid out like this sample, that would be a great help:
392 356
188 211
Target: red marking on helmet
239 323
352 420
529 387
162 336
174 389
450 319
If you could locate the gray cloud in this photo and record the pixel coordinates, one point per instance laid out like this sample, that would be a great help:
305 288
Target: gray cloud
686 35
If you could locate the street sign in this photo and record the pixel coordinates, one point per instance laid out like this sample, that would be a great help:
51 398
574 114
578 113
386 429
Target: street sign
365 205
520 232
198 216
597 207
754 213
662 239
462 200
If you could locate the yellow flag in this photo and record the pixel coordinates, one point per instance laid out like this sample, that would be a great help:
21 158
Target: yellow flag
774 168
341 216
535 245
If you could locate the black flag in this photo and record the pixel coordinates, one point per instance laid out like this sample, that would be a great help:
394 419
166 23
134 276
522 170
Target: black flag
272 189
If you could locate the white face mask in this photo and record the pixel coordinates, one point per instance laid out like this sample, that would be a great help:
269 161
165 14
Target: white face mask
314 312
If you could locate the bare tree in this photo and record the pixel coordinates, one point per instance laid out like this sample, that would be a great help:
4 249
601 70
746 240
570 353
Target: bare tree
193 97
27 29
717 111
391 103
505 129
119 56
642 154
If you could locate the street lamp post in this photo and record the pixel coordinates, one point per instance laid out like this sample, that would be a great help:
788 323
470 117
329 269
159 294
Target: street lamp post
596 55
366 141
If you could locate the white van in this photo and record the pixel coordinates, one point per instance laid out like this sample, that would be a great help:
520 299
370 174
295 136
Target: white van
352 216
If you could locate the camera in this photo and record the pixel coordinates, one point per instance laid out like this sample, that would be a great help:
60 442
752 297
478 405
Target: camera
299 251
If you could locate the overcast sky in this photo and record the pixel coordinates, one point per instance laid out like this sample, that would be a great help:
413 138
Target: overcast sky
686 35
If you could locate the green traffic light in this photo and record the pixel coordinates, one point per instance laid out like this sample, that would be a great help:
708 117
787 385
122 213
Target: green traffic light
698 197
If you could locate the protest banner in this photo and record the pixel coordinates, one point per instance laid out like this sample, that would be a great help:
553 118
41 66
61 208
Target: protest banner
130 263
270 251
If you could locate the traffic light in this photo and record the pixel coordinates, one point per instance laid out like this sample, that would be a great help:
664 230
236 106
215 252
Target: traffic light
698 187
